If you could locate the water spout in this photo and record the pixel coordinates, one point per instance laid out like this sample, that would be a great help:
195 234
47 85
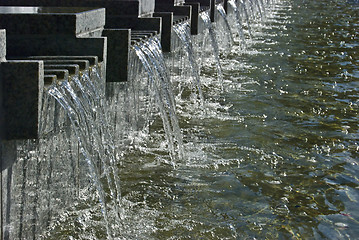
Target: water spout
78 120
182 31
228 33
239 22
207 21
152 59
244 8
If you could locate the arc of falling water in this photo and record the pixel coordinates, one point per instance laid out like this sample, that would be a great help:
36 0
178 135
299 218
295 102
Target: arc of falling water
223 14
239 23
91 92
150 55
207 21
157 51
183 33
242 3
73 107
166 125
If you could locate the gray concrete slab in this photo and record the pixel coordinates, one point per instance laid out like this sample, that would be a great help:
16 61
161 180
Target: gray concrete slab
61 74
194 17
114 7
49 79
73 69
51 20
22 87
2 45
119 41
92 60
166 33
20 46
134 23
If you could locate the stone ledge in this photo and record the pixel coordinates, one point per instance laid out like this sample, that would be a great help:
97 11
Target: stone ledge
2 45
119 41
22 88
51 20
22 46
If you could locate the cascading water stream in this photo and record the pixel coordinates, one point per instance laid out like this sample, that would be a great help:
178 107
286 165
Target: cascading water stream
82 133
151 57
207 21
93 105
159 98
239 23
263 6
154 51
182 31
258 5
243 6
223 14
82 100
154 46
85 109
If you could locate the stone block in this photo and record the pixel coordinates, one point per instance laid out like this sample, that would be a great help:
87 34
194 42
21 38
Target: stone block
139 36
205 5
73 69
177 10
22 87
113 7
89 60
49 79
166 33
51 20
56 46
61 74
201 2
194 17
83 64
2 45
119 41
134 23
169 2
118 7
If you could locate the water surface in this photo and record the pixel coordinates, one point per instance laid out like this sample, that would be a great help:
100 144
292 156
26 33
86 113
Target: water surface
276 153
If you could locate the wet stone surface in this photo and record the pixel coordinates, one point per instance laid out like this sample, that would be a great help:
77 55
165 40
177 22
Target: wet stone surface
2 45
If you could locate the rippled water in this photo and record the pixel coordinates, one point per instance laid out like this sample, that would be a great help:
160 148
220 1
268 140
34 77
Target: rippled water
276 154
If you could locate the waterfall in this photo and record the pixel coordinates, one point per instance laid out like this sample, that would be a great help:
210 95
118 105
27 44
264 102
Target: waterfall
239 23
228 31
182 31
79 119
151 57
70 171
92 103
207 21
243 6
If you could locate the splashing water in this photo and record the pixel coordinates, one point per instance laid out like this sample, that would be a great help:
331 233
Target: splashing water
150 55
78 120
183 33
243 7
228 31
239 23
92 104
207 21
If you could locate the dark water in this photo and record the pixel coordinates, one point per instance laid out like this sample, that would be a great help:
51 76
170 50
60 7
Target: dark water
276 155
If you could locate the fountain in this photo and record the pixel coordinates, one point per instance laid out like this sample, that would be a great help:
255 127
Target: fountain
61 104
